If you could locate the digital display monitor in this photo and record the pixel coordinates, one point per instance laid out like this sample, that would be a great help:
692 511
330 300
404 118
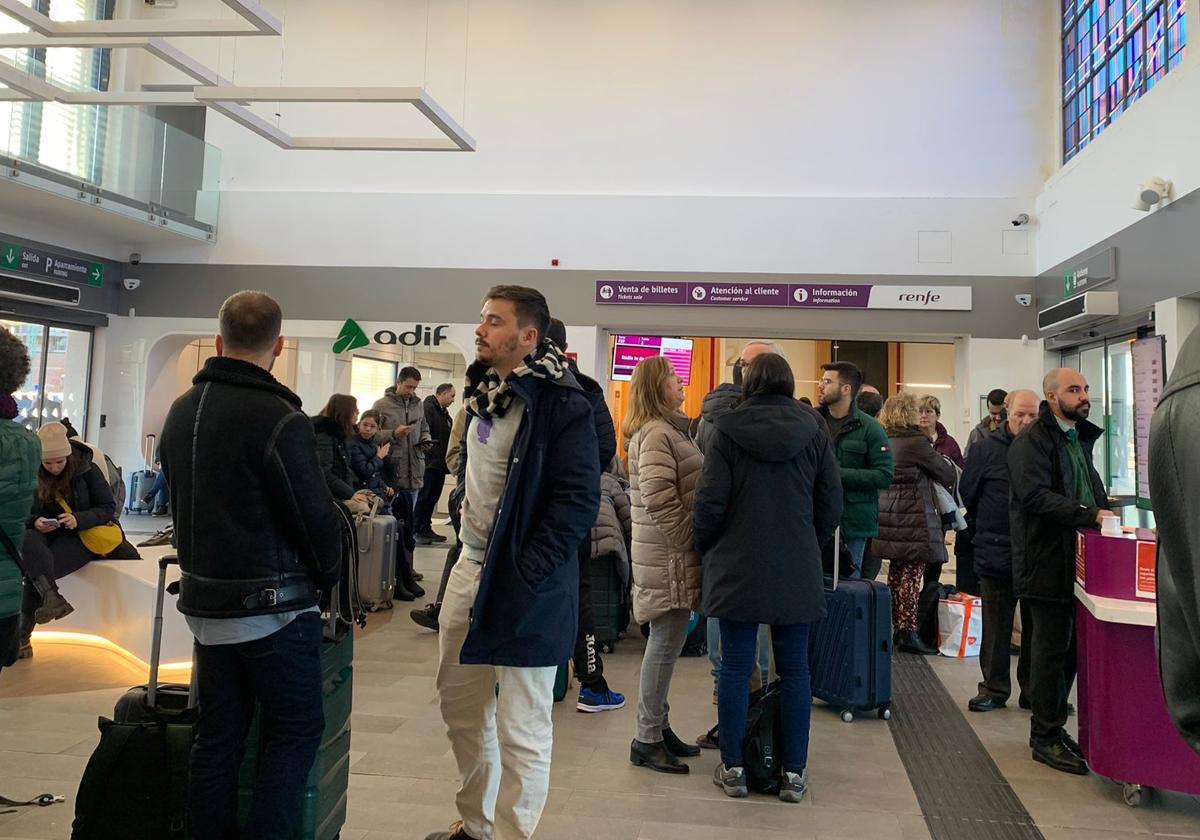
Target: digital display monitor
631 349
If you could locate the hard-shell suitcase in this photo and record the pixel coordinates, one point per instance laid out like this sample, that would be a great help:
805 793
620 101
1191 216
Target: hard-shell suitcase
850 651
323 805
135 783
141 481
610 601
377 546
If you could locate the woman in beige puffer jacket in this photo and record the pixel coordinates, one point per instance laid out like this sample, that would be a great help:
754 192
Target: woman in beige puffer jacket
664 468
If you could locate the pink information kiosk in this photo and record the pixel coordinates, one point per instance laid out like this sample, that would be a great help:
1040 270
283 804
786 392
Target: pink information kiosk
1124 728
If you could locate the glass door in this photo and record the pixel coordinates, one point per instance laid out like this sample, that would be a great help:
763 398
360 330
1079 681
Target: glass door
60 372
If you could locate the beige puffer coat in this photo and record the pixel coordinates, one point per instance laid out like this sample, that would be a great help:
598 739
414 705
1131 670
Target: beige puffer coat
664 468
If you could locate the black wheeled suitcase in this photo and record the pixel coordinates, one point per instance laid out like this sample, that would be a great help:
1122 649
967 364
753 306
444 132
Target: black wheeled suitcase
135 784
850 651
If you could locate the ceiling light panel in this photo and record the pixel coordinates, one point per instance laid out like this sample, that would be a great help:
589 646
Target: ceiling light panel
255 20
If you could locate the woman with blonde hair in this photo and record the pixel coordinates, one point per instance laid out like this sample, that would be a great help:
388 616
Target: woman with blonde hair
929 420
910 526
664 468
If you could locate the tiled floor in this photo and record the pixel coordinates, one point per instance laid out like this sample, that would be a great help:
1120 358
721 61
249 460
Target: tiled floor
403 778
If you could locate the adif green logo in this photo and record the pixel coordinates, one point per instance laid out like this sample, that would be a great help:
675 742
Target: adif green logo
351 337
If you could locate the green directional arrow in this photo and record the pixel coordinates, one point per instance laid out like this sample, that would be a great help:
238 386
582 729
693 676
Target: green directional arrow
12 255
95 274
351 337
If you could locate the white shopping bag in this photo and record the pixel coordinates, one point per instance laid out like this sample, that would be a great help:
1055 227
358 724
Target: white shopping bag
960 625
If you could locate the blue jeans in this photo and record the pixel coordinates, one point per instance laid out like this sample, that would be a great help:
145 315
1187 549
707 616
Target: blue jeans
790 642
856 547
282 672
159 496
714 650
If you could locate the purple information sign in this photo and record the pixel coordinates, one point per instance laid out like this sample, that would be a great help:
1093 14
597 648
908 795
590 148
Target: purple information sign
776 295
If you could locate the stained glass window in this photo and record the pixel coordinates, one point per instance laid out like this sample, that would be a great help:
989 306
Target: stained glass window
1113 52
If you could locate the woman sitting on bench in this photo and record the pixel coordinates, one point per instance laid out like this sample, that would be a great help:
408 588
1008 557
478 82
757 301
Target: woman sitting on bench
72 523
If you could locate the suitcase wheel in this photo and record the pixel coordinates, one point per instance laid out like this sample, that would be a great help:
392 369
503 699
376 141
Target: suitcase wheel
885 713
847 716
606 647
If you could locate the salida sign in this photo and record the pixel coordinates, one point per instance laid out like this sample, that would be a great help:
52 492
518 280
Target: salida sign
353 337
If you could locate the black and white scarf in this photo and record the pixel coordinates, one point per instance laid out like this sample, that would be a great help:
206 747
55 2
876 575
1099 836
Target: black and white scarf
491 396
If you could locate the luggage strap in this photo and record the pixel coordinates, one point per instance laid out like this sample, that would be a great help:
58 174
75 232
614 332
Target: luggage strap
41 800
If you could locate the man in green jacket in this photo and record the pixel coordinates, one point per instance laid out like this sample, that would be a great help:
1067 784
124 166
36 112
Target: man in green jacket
20 455
863 452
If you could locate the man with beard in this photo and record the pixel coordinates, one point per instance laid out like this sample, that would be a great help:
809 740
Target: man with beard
530 473
864 454
1055 489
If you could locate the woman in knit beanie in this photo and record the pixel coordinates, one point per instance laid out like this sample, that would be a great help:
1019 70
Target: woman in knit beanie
20 454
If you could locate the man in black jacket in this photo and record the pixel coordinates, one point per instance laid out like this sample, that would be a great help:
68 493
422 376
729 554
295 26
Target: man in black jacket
438 421
1176 494
258 541
594 693
531 479
1055 489
985 491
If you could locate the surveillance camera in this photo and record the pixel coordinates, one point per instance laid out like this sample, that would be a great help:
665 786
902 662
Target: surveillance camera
1152 193
135 258
1025 300
1021 219
131 283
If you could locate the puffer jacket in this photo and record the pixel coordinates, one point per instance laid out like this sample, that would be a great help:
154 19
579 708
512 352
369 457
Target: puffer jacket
406 461
664 469
910 527
367 466
721 400
1176 493
770 497
948 446
20 456
333 458
614 525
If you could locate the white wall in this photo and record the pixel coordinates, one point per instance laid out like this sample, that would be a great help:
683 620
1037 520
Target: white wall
138 370
766 135
1092 197
986 363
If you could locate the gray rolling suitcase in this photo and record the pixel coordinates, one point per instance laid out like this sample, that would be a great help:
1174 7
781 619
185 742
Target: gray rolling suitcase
377 545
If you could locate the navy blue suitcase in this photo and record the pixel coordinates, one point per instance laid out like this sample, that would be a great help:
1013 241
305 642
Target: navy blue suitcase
850 651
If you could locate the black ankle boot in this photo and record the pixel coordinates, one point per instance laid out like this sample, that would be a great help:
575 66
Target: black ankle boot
54 606
26 625
656 757
677 747
405 581
911 641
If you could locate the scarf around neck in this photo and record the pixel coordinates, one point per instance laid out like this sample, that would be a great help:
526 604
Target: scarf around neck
492 396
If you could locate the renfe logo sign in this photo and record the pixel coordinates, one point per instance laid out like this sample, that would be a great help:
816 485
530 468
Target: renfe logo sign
353 337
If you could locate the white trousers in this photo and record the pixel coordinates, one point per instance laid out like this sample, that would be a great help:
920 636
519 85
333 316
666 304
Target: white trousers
501 744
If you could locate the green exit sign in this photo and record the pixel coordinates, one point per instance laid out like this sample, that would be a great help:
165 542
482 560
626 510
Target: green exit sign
50 265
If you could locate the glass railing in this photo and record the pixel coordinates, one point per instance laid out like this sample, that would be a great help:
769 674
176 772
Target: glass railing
121 157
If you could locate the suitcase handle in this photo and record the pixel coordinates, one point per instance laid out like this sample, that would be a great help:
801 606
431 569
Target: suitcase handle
837 554
156 638
148 452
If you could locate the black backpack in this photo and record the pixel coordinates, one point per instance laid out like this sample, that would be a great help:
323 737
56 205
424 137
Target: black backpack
762 750
762 757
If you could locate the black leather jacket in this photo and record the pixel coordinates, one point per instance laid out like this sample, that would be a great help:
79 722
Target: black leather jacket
255 523
1175 489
